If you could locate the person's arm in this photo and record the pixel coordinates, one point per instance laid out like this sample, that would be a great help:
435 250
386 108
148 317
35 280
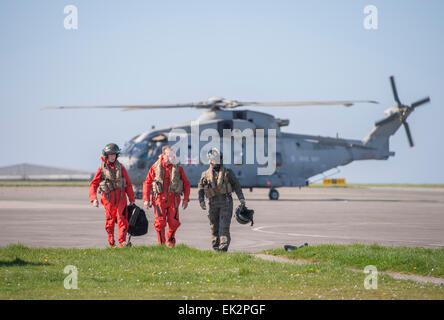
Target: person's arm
235 185
94 185
129 187
201 192
186 185
147 185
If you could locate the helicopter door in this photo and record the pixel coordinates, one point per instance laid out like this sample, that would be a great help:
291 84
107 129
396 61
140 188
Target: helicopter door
245 172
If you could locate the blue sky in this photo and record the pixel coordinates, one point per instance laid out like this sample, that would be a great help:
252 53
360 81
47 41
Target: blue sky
146 52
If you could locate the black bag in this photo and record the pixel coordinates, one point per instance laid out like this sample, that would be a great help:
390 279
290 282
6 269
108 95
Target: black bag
137 221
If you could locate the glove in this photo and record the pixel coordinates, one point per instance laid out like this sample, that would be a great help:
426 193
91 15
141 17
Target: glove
242 201
95 203
203 206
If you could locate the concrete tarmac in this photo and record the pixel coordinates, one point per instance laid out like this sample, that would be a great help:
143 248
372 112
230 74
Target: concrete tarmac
63 217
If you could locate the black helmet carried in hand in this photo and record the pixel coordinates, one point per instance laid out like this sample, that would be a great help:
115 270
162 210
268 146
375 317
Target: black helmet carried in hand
111 148
244 215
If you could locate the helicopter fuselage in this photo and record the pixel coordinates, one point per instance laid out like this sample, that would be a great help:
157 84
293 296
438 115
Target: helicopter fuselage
297 157
262 155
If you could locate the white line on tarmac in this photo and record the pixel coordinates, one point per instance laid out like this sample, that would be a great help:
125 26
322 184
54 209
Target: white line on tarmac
259 229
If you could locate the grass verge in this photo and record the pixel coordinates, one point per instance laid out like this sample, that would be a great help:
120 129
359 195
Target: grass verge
417 261
156 272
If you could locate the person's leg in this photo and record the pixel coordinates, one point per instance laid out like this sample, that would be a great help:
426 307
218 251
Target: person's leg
160 222
122 221
213 216
110 215
173 225
226 213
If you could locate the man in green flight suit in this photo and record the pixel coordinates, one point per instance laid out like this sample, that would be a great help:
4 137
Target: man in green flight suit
216 184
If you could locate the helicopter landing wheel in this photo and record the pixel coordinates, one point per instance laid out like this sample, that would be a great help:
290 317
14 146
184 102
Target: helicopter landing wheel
273 194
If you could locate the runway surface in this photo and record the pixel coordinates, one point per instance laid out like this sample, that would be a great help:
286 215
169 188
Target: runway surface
63 217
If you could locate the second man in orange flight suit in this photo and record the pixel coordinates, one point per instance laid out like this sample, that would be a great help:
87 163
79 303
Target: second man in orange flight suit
167 181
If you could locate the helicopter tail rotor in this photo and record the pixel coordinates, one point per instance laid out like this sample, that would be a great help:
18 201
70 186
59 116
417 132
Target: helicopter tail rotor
407 131
401 111
395 92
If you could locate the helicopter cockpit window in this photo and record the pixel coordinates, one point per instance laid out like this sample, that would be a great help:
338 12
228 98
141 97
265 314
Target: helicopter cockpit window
159 137
139 148
127 147
155 149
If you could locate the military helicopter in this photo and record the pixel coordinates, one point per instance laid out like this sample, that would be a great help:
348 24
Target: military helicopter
298 157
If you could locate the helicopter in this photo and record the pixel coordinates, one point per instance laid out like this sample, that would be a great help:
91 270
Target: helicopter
296 157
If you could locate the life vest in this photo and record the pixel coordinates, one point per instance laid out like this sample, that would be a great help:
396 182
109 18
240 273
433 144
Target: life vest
216 185
176 183
111 179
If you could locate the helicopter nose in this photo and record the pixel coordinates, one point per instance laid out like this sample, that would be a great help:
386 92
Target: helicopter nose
126 162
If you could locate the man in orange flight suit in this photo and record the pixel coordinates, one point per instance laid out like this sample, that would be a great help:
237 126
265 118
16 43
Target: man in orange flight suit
113 182
168 182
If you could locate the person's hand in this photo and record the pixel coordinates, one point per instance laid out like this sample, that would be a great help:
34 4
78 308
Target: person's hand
95 203
146 204
185 204
203 206
242 201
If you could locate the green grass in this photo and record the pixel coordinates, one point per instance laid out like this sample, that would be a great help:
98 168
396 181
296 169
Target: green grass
156 272
44 183
417 261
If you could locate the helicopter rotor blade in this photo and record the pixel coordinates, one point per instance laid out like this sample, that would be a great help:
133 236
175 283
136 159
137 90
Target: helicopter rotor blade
395 92
420 102
407 131
346 103
83 107
219 104
131 108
